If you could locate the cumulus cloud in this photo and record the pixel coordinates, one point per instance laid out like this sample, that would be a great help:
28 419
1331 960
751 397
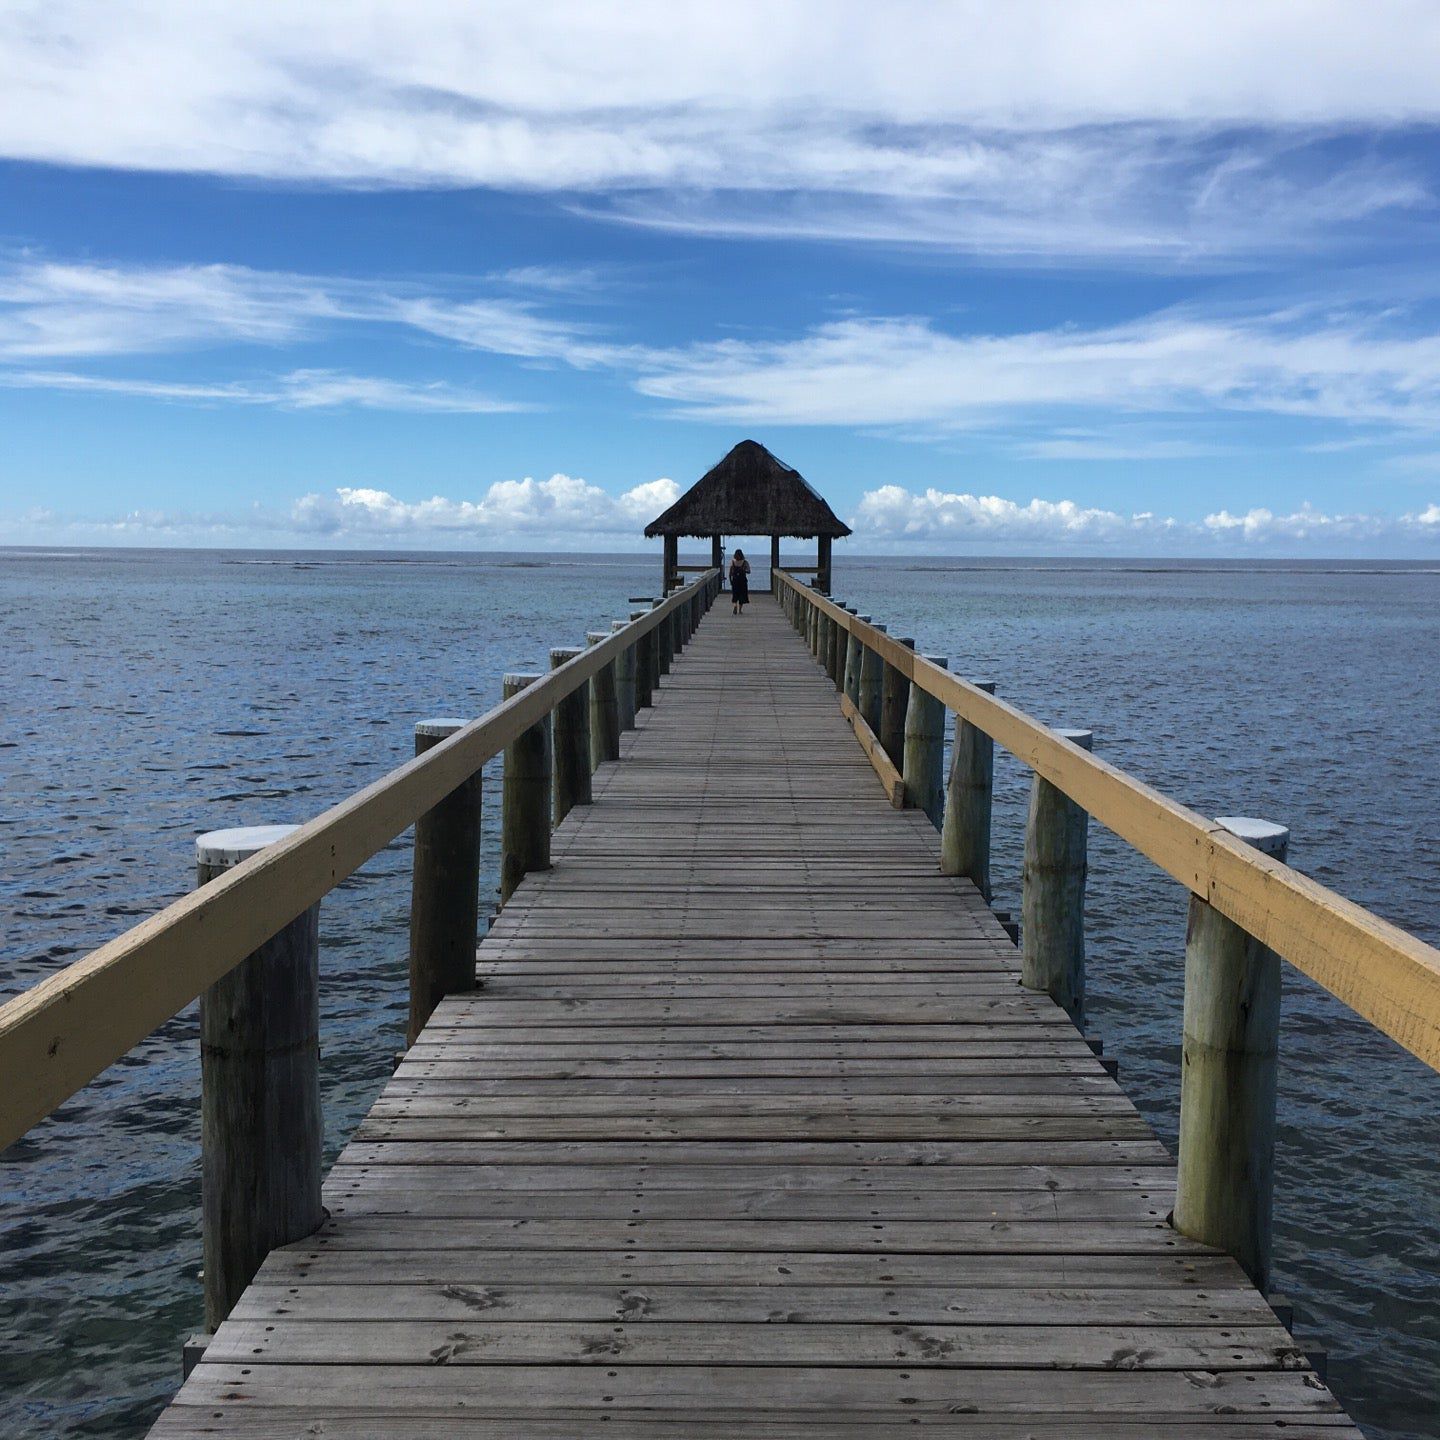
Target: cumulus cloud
893 514
1024 128
562 507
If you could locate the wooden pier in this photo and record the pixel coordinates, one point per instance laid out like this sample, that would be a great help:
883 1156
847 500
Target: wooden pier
750 1130
752 1119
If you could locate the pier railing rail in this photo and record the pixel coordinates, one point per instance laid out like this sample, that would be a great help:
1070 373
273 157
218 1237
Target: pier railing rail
58 1035
1247 905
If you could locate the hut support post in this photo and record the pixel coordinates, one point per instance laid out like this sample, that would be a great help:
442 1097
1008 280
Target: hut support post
444 890
572 743
925 750
260 1091
822 560
525 798
1053 896
965 836
774 560
1227 1078
672 561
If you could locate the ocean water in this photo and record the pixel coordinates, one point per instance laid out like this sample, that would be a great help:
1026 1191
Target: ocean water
146 696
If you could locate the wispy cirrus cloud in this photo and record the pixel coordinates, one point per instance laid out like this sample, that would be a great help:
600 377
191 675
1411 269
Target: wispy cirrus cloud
1164 132
297 390
1357 364
1353 367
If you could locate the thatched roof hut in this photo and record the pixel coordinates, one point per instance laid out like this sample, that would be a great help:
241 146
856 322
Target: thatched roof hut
750 492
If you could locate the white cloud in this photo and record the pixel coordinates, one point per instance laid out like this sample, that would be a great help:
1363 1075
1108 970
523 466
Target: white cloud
893 514
903 371
1029 127
562 506
298 390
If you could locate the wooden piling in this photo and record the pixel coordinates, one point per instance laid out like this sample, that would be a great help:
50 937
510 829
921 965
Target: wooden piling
525 798
646 672
965 835
1052 929
664 644
854 654
924 754
572 742
625 681
835 661
1227 1077
444 890
872 679
260 1127
894 701
604 709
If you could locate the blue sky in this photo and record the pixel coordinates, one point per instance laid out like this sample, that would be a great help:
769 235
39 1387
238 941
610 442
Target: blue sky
1101 278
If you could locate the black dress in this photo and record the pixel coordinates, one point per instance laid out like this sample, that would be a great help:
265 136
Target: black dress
740 584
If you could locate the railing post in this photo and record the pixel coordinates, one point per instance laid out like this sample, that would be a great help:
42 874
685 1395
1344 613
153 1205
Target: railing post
1227 1078
894 702
525 798
444 890
924 755
1053 899
644 661
625 681
260 1130
853 651
604 709
677 631
820 640
872 672
572 741
965 836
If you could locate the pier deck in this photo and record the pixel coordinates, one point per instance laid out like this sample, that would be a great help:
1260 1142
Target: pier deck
751 1131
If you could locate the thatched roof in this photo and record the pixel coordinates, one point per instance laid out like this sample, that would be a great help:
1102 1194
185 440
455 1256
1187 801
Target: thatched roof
750 492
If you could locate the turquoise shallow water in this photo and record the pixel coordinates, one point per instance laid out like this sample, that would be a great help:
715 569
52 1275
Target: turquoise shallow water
146 696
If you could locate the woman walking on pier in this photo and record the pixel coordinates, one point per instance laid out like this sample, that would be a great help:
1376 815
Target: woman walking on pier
739 583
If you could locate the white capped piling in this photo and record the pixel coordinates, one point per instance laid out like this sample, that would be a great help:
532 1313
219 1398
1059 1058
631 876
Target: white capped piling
625 681
872 679
1052 929
444 889
572 741
923 759
894 701
1227 1079
604 709
525 798
965 835
260 1129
